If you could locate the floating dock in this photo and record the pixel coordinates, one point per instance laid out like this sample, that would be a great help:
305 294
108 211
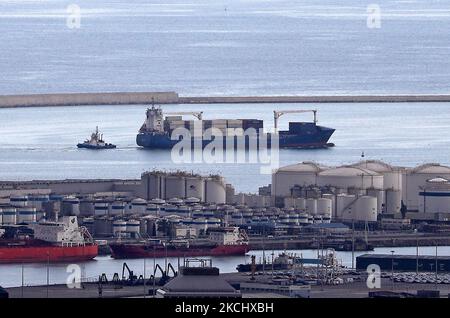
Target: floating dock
423 263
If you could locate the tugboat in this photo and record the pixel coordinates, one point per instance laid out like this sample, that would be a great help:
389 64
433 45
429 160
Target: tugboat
96 142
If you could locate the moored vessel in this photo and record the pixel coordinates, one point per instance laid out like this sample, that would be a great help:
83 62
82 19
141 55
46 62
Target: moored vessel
226 241
62 241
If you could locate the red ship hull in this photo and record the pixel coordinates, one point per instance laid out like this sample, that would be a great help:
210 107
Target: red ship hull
122 251
40 252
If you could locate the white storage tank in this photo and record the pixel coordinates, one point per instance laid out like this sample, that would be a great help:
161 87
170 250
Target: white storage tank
119 227
236 218
345 205
392 176
117 208
138 206
9 216
175 187
133 227
215 190
26 215
351 177
192 201
311 206
195 188
393 201
213 222
70 205
18 200
379 194
152 209
300 174
37 200
87 207
366 209
101 207
324 206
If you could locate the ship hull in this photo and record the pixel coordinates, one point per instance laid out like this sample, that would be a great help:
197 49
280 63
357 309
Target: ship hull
318 139
123 251
96 147
50 253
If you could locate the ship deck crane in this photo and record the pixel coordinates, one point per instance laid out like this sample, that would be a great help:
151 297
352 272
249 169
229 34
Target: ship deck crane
278 114
198 115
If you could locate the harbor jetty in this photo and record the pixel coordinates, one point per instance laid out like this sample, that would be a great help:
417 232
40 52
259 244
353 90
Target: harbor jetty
136 98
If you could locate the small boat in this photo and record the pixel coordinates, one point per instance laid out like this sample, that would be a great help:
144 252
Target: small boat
96 142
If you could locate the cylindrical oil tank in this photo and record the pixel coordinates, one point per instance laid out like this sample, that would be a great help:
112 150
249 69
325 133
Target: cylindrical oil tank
345 205
18 200
324 206
89 224
195 188
26 215
303 219
103 226
119 227
302 174
434 201
184 211
215 190
317 219
192 201
133 226
311 206
37 200
154 185
200 224
175 187
366 209
101 207
70 205
379 194
152 209
393 201
87 207
40 215
300 203
138 206
236 218
213 223
9 216
351 177
117 208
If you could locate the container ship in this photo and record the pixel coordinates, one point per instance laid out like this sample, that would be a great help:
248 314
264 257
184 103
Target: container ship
62 241
160 132
228 241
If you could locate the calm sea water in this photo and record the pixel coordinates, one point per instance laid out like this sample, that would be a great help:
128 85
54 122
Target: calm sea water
40 143
36 274
228 47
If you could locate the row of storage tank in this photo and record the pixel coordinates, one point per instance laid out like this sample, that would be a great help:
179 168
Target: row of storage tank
369 176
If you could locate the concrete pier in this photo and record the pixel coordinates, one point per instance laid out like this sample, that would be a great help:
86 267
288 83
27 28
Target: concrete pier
133 98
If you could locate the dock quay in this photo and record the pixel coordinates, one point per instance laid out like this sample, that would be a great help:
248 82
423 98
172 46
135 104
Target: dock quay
137 98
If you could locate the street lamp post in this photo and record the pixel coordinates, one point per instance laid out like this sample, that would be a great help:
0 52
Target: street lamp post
392 269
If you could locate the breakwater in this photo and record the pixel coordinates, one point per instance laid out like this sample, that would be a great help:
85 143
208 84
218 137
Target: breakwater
133 98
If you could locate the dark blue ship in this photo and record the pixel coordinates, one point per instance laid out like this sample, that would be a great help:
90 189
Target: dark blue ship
158 132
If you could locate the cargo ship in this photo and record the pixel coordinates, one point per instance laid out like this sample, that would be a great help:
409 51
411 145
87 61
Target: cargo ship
96 142
228 241
161 132
62 241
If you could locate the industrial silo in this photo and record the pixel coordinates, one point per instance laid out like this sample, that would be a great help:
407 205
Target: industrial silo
380 195
434 197
117 208
215 190
301 174
119 228
9 216
175 187
101 207
153 184
393 201
348 177
18 200
345 205
26 215
195 188
311 206
415 179
325 208
365 209
70 205
138 206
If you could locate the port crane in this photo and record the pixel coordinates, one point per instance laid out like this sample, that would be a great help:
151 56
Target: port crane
198 115
278 114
